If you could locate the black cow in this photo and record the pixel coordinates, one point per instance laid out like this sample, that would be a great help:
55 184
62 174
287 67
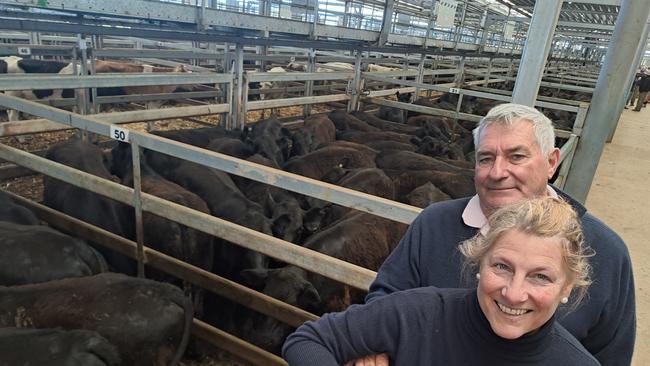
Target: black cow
35 254
147 321
271 140
361 239
226 201
318 129
395 114
345 121
425 195
386 125
56 347
320 162
174 239
13 212
85 205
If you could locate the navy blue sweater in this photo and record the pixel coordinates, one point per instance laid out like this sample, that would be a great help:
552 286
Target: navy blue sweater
605 322
428 326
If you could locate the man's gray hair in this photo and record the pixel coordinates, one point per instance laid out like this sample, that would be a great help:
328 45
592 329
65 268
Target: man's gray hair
507 114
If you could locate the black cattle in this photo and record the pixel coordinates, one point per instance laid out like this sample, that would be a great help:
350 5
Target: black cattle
383 145
199 137
365 137
320 162
35 254
174 239
270 140
87 206
13 212
226 201
56 347
395 114
361 239
147 321
437 148
425 195
387 125
317 129
231 146
455 184
408 160
345 121
372 181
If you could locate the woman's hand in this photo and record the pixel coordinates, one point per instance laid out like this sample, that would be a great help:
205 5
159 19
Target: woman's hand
374 360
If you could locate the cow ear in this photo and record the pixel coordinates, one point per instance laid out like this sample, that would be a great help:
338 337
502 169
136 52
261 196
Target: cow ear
255 277
269 205
310 296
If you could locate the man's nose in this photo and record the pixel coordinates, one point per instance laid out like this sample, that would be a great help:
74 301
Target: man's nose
499 168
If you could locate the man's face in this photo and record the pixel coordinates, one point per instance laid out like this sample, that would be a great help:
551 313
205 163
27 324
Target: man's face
510 165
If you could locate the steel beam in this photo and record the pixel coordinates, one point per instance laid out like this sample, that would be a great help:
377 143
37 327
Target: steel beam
611 87
538 45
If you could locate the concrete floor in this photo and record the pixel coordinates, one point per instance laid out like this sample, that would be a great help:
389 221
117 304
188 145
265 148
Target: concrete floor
620 196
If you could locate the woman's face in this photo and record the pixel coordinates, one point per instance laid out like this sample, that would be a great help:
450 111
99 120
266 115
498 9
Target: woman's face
523 279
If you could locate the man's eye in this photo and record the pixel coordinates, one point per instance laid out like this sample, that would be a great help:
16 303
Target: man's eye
518 157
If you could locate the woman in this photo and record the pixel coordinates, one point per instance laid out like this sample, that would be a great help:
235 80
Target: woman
529 261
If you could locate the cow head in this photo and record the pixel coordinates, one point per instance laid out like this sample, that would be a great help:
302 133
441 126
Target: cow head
288 284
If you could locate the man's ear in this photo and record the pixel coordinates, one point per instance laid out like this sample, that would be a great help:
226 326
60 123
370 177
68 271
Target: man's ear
553 162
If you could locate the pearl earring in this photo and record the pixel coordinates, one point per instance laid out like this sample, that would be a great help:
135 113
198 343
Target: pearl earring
478 276
564 300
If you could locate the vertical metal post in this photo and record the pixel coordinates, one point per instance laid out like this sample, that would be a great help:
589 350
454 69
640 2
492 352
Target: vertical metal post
137 205
387 23
630 77
420 77
353 104
611 85
489 71
309 84
459 29
228 88
430 24
538 44
314 23
236 111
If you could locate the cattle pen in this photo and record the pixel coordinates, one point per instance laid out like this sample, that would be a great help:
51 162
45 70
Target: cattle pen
226 50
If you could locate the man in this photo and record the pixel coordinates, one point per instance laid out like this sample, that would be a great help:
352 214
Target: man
644 88
515 158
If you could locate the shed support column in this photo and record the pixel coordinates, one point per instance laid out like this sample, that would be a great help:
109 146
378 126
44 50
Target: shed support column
539 37
630 77
387 23
611 86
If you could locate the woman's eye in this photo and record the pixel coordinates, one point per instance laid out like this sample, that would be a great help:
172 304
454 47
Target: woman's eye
501 266
542 277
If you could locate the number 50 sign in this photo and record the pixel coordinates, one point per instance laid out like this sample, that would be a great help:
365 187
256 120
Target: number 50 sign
119 134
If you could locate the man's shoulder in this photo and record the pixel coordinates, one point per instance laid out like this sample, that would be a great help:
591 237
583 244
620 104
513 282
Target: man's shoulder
447 207
601 238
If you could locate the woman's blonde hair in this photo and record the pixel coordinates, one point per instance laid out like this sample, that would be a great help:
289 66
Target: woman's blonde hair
545 217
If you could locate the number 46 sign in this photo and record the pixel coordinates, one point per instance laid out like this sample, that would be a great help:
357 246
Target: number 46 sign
119 133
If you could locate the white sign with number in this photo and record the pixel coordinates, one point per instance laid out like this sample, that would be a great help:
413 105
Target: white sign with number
119 133
454 90
24 51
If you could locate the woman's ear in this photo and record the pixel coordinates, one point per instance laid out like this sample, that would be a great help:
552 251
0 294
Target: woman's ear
566 291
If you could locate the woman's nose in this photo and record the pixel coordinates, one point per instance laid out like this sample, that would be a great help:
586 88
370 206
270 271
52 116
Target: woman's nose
515 291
